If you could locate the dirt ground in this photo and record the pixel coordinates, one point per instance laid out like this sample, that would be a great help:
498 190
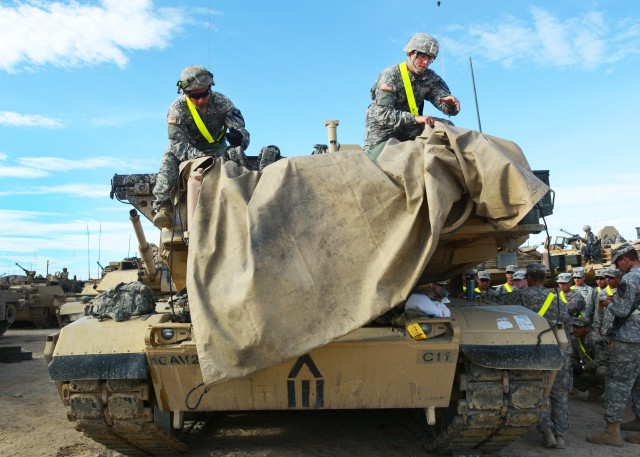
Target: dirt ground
33 423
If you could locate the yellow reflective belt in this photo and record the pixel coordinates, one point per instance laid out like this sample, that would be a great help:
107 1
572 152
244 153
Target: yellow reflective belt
200 124
508 287
562 297
584 350
546 304
478 291
404 72
609 291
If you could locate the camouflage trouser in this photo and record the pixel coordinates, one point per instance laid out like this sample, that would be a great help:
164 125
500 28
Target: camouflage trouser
621 380
166 179
557 419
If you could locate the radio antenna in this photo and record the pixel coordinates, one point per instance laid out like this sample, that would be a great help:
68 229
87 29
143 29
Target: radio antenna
441 54
475 95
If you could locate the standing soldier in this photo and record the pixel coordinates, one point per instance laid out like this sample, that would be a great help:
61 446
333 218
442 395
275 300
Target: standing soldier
588 293
572 298
613 276
484 292
623 375
201 122
555 424
399 93
508 286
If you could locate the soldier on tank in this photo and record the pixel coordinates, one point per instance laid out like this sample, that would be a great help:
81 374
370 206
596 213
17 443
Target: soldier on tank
591 249
622 379
399 93
201 122
555 423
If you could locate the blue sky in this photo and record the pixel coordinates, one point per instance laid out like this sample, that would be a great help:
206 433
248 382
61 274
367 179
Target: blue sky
85 87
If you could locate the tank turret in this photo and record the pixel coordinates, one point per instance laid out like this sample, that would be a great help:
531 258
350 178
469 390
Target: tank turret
29 273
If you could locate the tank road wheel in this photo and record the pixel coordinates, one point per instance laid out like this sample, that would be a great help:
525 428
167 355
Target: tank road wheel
42 317
489 409
120 414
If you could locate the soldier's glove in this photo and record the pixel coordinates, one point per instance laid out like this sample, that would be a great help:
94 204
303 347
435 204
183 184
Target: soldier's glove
234 137
268 155
236 154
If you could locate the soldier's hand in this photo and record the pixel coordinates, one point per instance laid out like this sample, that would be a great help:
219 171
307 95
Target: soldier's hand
427 120
451 101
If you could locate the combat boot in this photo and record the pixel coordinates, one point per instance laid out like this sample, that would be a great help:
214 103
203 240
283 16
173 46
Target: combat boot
549 439
560 442
610 436
163 217
631 426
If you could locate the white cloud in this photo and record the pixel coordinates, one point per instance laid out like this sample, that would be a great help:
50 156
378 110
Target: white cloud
73 33
585 41
58 164
28 120
84 190
39 167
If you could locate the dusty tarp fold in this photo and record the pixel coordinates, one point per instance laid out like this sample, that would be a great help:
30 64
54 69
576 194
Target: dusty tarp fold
283 262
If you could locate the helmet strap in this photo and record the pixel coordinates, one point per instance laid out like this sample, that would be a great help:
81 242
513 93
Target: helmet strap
412 61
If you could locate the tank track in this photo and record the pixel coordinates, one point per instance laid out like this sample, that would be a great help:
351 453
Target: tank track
492 409
120 415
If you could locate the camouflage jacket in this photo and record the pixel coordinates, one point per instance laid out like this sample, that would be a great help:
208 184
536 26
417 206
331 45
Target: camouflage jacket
533 297
576 303
590 296
626 302
590 351
185 140
388 115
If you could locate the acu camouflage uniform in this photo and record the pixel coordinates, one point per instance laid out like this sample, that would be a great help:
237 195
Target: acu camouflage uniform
187 143
588 361
388 114
590 298
623 373
557 419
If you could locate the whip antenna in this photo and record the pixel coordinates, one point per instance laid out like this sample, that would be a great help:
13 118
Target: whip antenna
475 95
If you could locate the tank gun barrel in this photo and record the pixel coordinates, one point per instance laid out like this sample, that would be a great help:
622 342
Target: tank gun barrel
573 237
27 272
145 249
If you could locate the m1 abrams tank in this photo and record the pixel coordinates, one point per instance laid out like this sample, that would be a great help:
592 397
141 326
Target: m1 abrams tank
481 376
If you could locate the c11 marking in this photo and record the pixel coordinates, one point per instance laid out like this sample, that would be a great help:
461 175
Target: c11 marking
435 356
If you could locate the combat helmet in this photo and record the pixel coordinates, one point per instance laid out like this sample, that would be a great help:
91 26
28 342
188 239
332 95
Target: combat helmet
194 77
424 43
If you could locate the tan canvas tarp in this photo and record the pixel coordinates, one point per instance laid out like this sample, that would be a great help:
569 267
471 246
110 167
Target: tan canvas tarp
286 261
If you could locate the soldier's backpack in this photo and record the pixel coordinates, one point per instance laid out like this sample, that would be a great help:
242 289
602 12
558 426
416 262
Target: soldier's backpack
123 301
